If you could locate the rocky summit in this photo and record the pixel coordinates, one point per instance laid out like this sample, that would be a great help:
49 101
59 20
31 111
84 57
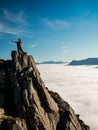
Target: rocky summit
25 102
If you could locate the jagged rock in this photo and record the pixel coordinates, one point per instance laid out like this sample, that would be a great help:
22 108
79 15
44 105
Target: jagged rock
25 98
68 119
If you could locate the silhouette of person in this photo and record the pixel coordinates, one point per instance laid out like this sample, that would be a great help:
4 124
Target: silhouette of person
19 43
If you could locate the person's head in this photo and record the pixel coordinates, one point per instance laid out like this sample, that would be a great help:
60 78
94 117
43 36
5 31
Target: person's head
19 40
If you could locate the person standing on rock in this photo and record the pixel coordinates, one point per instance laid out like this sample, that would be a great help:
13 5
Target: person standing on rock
19 43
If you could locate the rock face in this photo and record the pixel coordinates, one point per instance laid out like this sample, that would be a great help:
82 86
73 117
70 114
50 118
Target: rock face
25 102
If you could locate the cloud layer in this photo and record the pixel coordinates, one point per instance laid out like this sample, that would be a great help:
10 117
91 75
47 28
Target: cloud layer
78 85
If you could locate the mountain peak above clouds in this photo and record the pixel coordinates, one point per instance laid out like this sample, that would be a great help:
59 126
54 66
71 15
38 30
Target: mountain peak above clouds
88 61
25 102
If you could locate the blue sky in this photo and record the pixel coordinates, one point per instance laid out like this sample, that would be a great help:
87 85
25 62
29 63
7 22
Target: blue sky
59 30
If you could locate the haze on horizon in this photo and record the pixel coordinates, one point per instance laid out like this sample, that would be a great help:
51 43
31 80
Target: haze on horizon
59 30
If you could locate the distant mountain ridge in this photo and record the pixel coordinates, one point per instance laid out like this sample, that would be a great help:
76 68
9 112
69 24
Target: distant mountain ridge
88 61
52 62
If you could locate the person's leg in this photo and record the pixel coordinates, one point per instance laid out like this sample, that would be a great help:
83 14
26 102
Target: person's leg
19 48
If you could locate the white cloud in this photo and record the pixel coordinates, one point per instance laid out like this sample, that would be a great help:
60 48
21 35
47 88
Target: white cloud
64 49
56 24
33 45
17 25
15 18
8 30
78 85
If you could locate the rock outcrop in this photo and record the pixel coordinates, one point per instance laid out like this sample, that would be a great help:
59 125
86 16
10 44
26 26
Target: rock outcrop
25 102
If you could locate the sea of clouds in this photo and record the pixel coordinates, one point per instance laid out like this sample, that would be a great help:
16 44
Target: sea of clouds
78 85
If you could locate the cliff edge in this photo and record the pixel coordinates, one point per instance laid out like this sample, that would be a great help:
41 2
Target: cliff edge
25 102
